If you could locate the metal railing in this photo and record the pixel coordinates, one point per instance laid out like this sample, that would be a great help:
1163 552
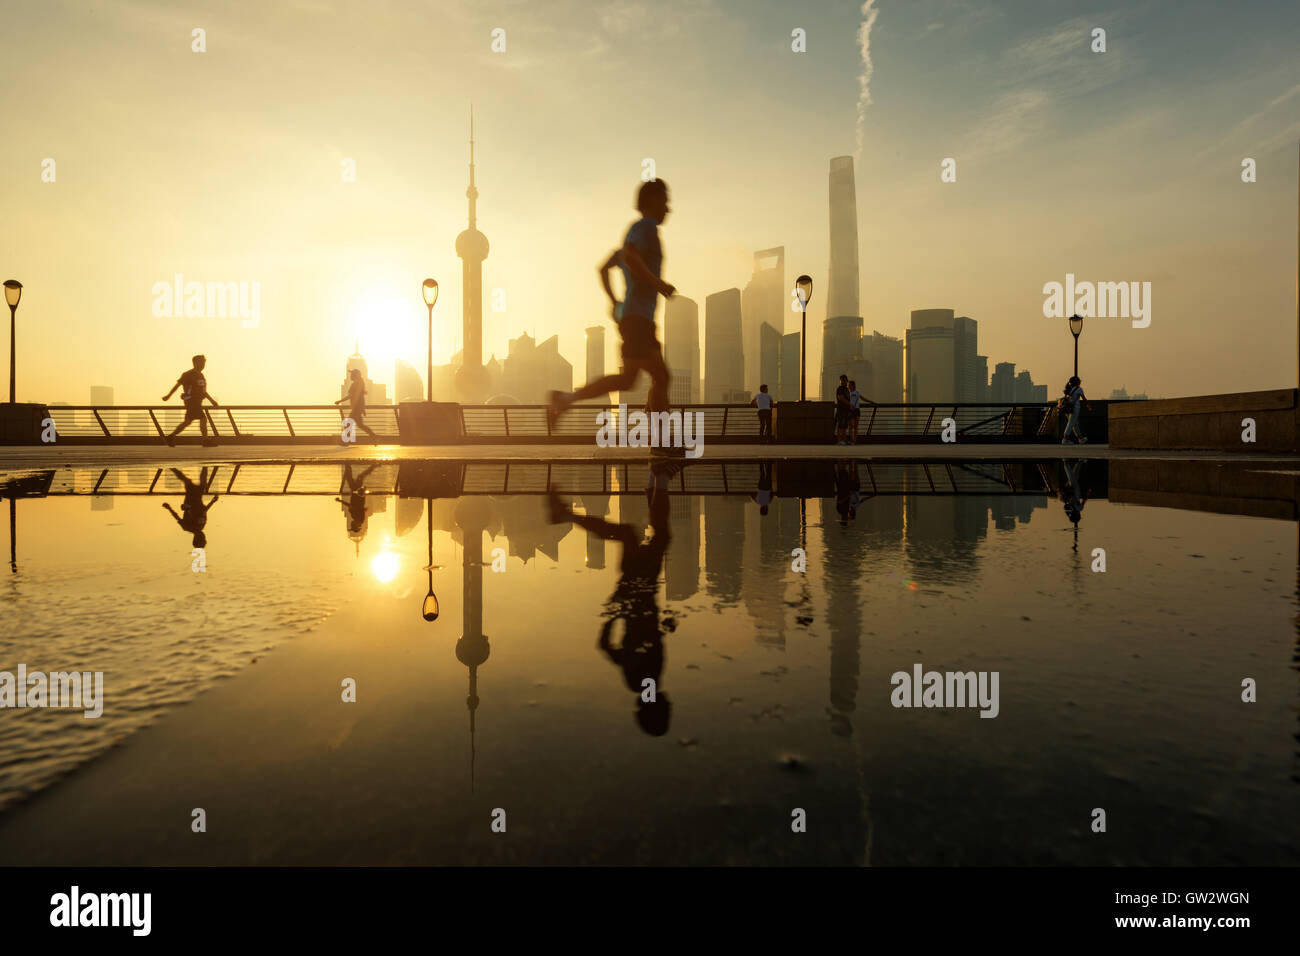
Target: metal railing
523 424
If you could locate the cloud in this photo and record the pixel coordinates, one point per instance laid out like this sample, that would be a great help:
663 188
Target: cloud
869 12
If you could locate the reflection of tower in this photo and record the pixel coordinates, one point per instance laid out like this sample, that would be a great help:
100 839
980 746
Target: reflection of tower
682 564
472 649
595 506
472 247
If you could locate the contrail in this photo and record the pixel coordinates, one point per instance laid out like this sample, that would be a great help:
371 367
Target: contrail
869 12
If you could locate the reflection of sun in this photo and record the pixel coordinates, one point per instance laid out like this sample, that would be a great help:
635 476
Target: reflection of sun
384 566
387 328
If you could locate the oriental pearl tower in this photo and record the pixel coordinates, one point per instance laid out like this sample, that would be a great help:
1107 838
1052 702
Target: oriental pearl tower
472 247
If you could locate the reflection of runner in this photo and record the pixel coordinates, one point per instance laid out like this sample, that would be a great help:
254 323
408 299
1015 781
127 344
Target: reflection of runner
356 399
194 513
641 260
353 500
640 653
194 389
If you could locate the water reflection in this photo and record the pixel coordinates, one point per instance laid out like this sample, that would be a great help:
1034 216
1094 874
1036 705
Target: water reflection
959 563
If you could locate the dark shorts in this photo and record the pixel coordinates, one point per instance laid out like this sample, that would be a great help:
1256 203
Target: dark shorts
639 342
842 418
193 410
857 413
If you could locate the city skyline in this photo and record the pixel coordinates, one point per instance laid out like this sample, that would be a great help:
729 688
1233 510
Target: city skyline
1123 165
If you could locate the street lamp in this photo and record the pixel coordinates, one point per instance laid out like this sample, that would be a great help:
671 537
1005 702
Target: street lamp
13 292
1076 326
430 290
803 292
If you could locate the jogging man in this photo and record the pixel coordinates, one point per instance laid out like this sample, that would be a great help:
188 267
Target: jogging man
194 389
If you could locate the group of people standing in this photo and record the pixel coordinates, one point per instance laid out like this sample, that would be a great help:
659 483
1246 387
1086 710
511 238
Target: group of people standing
848 411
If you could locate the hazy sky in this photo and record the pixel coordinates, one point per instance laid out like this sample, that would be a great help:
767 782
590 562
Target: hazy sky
224 166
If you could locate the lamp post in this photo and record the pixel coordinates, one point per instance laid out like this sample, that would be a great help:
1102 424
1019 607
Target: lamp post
1076 326
13 292
430 291
803 291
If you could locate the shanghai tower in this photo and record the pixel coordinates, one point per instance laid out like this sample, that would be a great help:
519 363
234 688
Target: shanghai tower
842 330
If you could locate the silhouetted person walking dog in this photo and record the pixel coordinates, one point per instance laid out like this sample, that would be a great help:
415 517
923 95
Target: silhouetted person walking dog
194 513
641 260
640 654
356 399
194 389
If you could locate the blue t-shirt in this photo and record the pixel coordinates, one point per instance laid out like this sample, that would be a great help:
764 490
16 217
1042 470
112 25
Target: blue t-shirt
640 298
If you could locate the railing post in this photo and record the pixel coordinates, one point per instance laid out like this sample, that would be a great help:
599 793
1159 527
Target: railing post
102 426
288 422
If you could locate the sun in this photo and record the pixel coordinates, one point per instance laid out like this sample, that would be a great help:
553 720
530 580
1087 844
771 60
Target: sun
388 327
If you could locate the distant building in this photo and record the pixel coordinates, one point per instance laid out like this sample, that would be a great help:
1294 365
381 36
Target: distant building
1002 386
595 340
885 356
769 365
764 301
842 275
981 378
101 396
724 356
376 394
788 389
1121 395
407 384
682 349
942 364
841 348
532 370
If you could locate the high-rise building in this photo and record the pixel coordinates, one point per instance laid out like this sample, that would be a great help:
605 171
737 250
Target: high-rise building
841 350
682 349
472 247
763 301
596 357
789 388
376 394
407 386
885 355
942 364
101 396
981 378
842 294
724 356
1002 386
532 369
1024 387
769 365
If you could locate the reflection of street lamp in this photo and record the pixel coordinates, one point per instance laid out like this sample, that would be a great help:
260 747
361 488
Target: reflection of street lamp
13 292
803 291
430 290
430 609
1076 326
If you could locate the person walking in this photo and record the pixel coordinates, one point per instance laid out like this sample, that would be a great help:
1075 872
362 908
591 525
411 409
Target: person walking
356 399
1076 401
194 389
764 403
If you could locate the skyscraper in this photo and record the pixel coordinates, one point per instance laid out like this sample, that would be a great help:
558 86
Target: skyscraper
472 247
842 294
1002 386
682 349
885 355
841 351
769 364
789 389
941 362
724 355
764 300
